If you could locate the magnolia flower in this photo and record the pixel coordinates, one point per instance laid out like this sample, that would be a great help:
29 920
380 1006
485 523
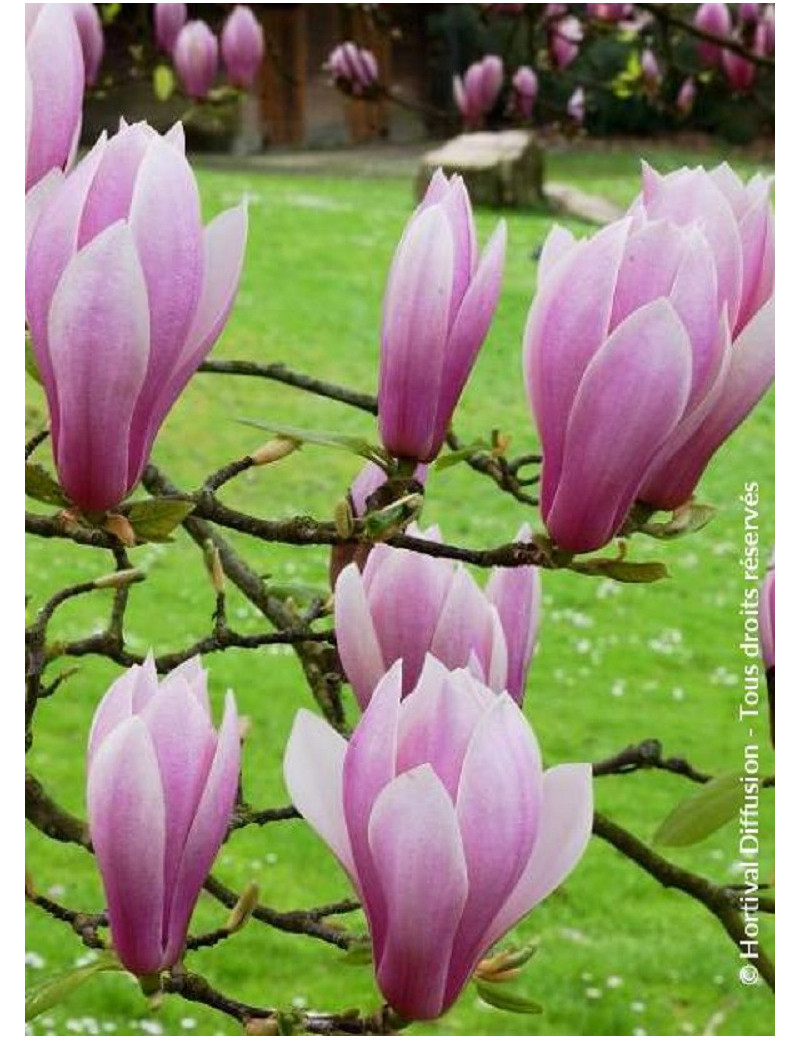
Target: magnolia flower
437 308
196 57
684 102
576 106
638 380
405 605
439 812
354 68
169 20
525 87
565 38
714 18
242 46
126 293
161 785
476 94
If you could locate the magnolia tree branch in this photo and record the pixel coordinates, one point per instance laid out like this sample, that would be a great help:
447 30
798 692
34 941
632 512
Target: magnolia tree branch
720 900
665 17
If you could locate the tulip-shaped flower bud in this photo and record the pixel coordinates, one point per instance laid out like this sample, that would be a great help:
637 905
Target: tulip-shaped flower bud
712 18
565 38
651 71
736 221
54 81
161 785
354 69
576 106
525 87
685 98
242 46
196 57
406 604
476 94
441 815
169 20
437 308
90 31
126 293
363 488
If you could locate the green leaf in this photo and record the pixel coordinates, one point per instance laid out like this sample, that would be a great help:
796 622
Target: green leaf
389 521
52 991
30 361
500 996
109 12
452 458
621 570
154 519
685 520
163 82
704 812
41 486
326 439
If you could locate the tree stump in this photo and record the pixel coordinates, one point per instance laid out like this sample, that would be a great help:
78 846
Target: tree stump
505 168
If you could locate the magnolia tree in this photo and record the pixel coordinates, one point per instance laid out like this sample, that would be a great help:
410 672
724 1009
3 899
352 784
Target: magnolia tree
646 346
545 60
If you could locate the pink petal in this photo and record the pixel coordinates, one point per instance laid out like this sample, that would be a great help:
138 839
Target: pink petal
54 63
566 327
224 242
632 395
53 243
313 767
436 725
464 624
498 809
751 371
406 597
517 595
126 820
184 743
37 197
138 684
565 827
111 192
414 337
208 830
416 848
195 675
165 221
558 244
469 329
369 765
357 641
99 340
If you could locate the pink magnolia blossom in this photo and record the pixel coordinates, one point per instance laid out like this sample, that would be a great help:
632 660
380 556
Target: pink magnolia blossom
54 82
609 12
651 71
477 92
405 605
525 87
637 381
439 302
242 46
126 293
161 785
565 38
354 68
713 18
196 58
169 20
440 813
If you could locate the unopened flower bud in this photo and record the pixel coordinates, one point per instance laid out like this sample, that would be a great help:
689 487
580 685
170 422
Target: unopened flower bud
242 911
274 450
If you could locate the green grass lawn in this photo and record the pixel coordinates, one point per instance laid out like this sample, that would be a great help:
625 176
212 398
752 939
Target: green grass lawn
618 955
